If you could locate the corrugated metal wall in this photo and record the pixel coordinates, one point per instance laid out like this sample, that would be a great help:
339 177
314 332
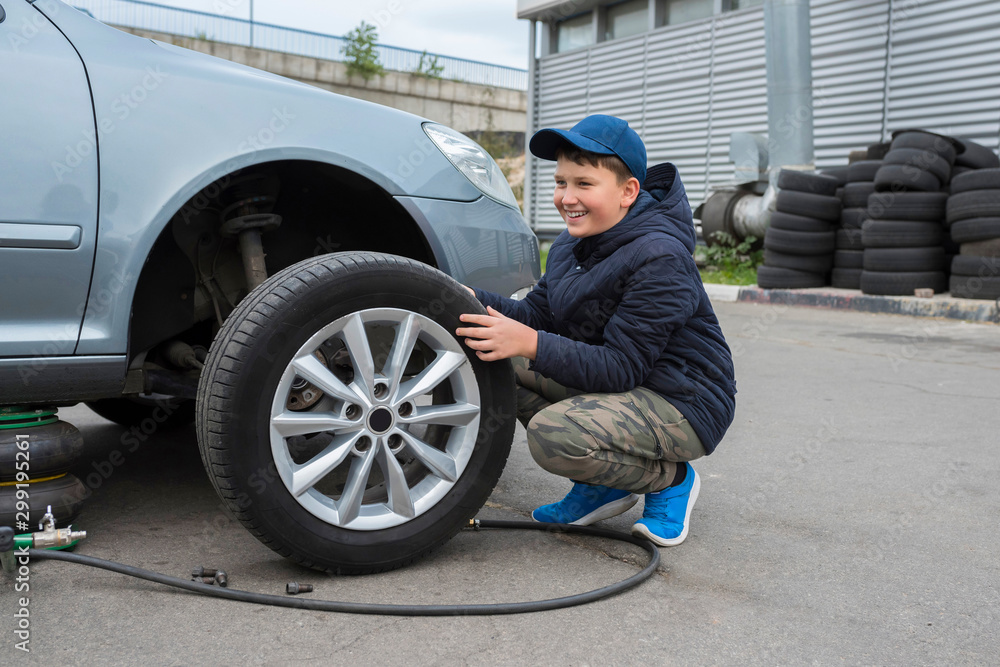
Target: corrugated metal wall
686 88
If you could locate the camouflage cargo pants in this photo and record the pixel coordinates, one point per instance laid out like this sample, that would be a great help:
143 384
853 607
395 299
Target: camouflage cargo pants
631 441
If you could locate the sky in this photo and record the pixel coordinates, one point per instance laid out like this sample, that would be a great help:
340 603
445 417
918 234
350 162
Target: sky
484 30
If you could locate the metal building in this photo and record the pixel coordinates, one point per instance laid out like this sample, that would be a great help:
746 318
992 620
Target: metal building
688 73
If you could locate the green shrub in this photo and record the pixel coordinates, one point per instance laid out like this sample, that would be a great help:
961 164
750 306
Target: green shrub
732 262
361 52
428 66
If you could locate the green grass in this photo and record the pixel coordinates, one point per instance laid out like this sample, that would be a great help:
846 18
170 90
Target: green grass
740 276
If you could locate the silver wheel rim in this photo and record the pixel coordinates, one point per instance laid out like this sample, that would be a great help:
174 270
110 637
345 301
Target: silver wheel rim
374 470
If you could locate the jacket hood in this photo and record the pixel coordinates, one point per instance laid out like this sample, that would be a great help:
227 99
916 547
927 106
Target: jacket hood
662 205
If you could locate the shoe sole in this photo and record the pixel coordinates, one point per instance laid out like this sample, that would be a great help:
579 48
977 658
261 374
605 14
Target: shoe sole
614 508
642 531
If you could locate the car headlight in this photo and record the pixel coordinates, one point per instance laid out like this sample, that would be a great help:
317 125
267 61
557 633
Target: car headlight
474 162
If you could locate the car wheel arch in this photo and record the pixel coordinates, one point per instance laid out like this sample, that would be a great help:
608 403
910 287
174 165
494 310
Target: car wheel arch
320 200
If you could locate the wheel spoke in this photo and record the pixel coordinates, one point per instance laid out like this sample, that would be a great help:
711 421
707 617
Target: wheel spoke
436 372
349 506
395 482
402 348
304 477
310 369
456 414
306 423
361 355
438 462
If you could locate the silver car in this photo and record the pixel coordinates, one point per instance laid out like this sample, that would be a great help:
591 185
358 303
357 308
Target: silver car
188 238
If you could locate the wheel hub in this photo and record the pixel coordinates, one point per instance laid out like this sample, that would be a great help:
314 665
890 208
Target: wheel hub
380 421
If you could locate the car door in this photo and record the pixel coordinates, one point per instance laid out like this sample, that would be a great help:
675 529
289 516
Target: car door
48 186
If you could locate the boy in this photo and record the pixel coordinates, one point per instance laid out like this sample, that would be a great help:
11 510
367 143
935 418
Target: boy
629 377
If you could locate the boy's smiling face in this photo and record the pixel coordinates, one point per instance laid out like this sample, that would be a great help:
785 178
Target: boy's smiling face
589 197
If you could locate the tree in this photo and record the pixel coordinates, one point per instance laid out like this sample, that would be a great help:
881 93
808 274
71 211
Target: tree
362 53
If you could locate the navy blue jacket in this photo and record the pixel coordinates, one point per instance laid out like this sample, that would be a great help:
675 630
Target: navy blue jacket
627 308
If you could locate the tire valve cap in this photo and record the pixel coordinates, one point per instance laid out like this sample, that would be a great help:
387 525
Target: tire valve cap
200 571
222 579
294 588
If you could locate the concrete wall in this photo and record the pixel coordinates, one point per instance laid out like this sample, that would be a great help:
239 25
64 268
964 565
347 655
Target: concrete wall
462 106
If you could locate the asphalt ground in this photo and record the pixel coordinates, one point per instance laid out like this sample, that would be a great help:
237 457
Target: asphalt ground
849 517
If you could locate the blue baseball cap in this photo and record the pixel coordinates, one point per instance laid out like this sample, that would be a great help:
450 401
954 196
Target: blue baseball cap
604 135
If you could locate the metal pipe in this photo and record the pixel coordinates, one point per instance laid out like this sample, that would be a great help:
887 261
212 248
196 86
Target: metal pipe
752 215
788 45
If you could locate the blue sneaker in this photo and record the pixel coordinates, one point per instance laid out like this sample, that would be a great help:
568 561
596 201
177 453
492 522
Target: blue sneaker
586 504
667 513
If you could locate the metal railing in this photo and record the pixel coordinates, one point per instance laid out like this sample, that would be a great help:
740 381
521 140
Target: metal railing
231 30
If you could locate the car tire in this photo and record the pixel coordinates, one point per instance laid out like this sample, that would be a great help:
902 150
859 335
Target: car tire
902 283
804 181
850 239
926 141
853 218
878 151
904 259
976 179
916 206
798 223
849 259
812 263
341 501
973 204
845 278
920 159
799 243
863 170
856 194
64 494
974 287
971 265
167 412
837 173
900 234
809 205
907 178
52 450
772 277
976 156
975 229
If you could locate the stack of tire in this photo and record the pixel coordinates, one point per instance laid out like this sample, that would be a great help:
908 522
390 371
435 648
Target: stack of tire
860 184
973 216
903 236
36 451
799 243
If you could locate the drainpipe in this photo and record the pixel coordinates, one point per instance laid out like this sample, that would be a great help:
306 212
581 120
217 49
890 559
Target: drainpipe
527 193
789 108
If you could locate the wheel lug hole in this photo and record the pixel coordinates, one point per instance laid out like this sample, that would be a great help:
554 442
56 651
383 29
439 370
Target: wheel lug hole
395 443
352 412
381 390
405 410
364 442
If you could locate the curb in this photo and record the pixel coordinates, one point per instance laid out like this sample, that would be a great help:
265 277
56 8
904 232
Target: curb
942 305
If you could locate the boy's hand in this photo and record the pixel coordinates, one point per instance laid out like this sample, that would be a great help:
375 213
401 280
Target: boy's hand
498 337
